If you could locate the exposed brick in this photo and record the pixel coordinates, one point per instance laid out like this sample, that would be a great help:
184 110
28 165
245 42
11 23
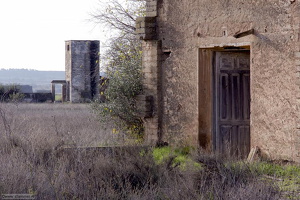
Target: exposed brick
153 13
152 88
151 59
151 3
146 28
150 69
150 81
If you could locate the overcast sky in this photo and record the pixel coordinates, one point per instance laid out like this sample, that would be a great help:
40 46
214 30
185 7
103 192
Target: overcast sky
33 32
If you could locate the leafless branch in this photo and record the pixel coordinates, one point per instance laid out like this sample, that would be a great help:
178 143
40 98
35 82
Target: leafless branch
118 16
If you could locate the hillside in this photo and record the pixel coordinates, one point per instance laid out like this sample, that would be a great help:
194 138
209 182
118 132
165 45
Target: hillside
39 80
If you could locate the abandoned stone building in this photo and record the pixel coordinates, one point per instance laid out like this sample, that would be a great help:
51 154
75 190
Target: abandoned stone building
82 71
223 74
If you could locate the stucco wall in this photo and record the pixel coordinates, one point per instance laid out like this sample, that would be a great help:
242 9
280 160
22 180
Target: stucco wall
185 26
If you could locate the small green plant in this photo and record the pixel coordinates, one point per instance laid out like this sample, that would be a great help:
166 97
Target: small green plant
160 154
10 93
180 157
269 169
16 97
282 171
287 177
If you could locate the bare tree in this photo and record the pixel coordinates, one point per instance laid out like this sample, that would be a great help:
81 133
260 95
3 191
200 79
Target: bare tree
119 15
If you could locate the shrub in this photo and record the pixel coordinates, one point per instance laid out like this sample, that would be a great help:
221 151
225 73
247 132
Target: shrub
10 93
125 83
123 64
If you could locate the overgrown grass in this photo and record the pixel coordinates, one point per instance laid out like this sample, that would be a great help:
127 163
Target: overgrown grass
180 157
34 159
58 173
285 176
45 123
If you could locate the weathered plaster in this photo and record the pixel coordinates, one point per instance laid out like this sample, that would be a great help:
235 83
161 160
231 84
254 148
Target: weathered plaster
183 27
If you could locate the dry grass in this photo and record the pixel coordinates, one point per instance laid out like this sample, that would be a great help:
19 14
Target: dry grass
34 160
74 124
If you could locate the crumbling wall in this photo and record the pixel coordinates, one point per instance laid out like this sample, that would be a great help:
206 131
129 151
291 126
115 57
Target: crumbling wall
184 27
82 69
68 68
151 59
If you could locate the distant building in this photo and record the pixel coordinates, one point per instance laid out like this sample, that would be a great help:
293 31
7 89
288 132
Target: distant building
82 70
43 91
25 88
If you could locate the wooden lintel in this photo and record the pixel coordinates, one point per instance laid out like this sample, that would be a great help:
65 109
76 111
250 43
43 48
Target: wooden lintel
243 34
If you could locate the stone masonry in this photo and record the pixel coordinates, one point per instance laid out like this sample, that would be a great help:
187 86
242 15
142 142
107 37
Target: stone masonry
82 70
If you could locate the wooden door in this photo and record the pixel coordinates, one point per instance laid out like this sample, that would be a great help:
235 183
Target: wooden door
232 103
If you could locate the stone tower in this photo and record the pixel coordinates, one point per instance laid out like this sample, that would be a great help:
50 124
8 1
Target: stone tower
82 70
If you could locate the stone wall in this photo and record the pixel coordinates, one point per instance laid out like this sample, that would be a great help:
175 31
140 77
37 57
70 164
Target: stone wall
184 27
151 59
82 70
68 68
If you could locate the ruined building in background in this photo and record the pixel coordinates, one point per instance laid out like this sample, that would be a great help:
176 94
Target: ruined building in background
223 74
82 71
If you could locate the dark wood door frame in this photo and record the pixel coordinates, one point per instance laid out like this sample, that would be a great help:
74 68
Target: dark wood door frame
206 96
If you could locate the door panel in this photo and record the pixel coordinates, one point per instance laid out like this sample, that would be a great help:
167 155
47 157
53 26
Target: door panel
236 104
224 98
246 96
232 103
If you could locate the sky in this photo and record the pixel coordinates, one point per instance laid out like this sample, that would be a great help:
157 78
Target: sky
33 32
